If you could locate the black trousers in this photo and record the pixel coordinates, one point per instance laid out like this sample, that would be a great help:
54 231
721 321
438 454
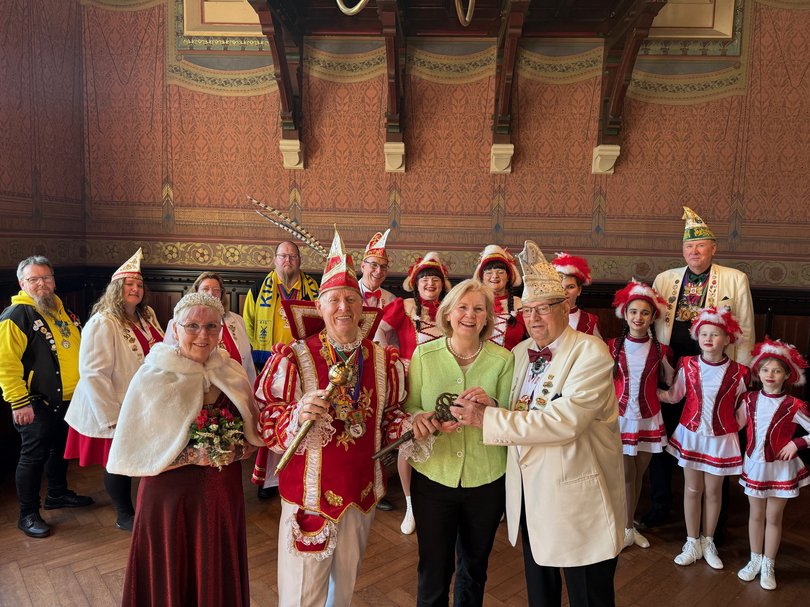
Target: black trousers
445 515
42 450
588 585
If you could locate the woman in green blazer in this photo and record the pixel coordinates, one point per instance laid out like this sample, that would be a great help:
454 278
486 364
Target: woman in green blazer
458 492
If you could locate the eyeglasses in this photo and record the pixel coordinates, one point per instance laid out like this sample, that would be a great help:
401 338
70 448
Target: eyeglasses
540 310
193 328
287 256
377 266
35 280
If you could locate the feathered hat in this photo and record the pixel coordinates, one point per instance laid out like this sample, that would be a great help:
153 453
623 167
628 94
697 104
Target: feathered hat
695 228
638 290
492 253
784 352
131 267
339 272
571 265
719 317
429 261
541 280
376 246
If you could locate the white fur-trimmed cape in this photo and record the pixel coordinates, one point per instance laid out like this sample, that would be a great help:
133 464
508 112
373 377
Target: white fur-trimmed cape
164 398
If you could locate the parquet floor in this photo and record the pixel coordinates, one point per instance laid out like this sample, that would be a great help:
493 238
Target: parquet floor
83 562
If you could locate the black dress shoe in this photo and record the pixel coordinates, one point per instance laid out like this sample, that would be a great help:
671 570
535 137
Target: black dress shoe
266 493
32 525
385 505
124 522
68 499
654 518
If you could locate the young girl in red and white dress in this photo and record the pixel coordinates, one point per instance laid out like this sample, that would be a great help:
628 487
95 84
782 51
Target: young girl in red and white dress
498 270
414 321
640 362
576 274
705 442
772 473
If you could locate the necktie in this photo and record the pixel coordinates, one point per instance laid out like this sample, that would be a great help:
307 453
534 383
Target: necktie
377 294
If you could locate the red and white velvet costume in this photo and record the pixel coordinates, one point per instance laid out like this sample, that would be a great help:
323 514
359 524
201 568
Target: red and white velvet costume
706 437
636 385
772 420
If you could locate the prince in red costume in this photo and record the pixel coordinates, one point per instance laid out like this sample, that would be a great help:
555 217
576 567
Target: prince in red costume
331 484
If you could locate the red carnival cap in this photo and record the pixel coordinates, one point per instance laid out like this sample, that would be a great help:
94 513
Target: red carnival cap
638 290
785 352
339 271
429 261
719 317
571 265
493 252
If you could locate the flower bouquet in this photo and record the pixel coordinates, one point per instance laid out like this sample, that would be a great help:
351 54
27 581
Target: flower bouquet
217 433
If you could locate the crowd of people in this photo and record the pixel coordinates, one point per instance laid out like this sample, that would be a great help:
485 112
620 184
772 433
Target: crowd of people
500 405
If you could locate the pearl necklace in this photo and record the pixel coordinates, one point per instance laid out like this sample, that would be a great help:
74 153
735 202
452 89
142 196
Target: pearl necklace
459 356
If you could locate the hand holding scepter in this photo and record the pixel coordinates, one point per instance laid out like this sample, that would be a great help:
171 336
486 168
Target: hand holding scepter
340 374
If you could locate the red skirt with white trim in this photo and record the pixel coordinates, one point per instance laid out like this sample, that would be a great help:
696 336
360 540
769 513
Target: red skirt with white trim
718 455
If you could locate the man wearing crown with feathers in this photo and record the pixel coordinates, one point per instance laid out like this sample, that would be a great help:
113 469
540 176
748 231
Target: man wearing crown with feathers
331 485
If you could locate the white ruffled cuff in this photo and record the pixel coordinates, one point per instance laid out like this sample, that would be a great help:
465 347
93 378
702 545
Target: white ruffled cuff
417 451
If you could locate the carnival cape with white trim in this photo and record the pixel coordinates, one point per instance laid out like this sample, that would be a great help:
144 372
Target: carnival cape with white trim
164 398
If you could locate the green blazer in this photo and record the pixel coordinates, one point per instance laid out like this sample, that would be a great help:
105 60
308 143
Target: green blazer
460 457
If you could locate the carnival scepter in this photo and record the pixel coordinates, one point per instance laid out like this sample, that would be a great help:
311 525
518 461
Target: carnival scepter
340 374
442 414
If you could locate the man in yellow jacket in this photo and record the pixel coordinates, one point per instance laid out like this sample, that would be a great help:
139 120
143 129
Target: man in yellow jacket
39 368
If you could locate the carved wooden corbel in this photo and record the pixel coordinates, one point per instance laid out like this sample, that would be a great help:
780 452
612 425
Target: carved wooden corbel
621 50
280 24
512 19
395 50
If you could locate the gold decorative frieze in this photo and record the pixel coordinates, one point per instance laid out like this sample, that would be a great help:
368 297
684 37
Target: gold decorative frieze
564 69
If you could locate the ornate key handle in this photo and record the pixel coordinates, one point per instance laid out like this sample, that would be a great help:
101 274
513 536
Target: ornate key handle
442 413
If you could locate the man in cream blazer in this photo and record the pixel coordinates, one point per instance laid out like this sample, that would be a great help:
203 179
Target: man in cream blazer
564 474
687 290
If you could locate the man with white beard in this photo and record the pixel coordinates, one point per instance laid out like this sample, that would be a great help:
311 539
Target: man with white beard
39 368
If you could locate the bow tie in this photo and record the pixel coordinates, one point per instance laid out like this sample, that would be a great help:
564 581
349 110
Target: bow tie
535 355
377 294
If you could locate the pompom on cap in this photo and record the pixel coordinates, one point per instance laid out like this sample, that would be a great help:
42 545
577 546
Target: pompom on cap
638 290
571 265
719 317
784 352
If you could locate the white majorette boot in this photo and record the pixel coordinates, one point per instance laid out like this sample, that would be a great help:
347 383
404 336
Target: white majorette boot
628 538
767 575
710 552
751 570
639 540
692 552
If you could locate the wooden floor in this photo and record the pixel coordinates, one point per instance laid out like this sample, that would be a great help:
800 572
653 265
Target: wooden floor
83 562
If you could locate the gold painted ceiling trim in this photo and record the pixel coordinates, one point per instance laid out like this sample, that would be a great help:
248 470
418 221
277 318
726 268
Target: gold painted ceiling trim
122 5
565 69
452 69
338 67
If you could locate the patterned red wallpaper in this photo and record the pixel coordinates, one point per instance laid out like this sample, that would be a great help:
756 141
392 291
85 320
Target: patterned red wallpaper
94 128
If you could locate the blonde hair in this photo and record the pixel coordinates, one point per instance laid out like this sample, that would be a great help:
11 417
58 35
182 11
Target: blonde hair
210 276
450 301
111 302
